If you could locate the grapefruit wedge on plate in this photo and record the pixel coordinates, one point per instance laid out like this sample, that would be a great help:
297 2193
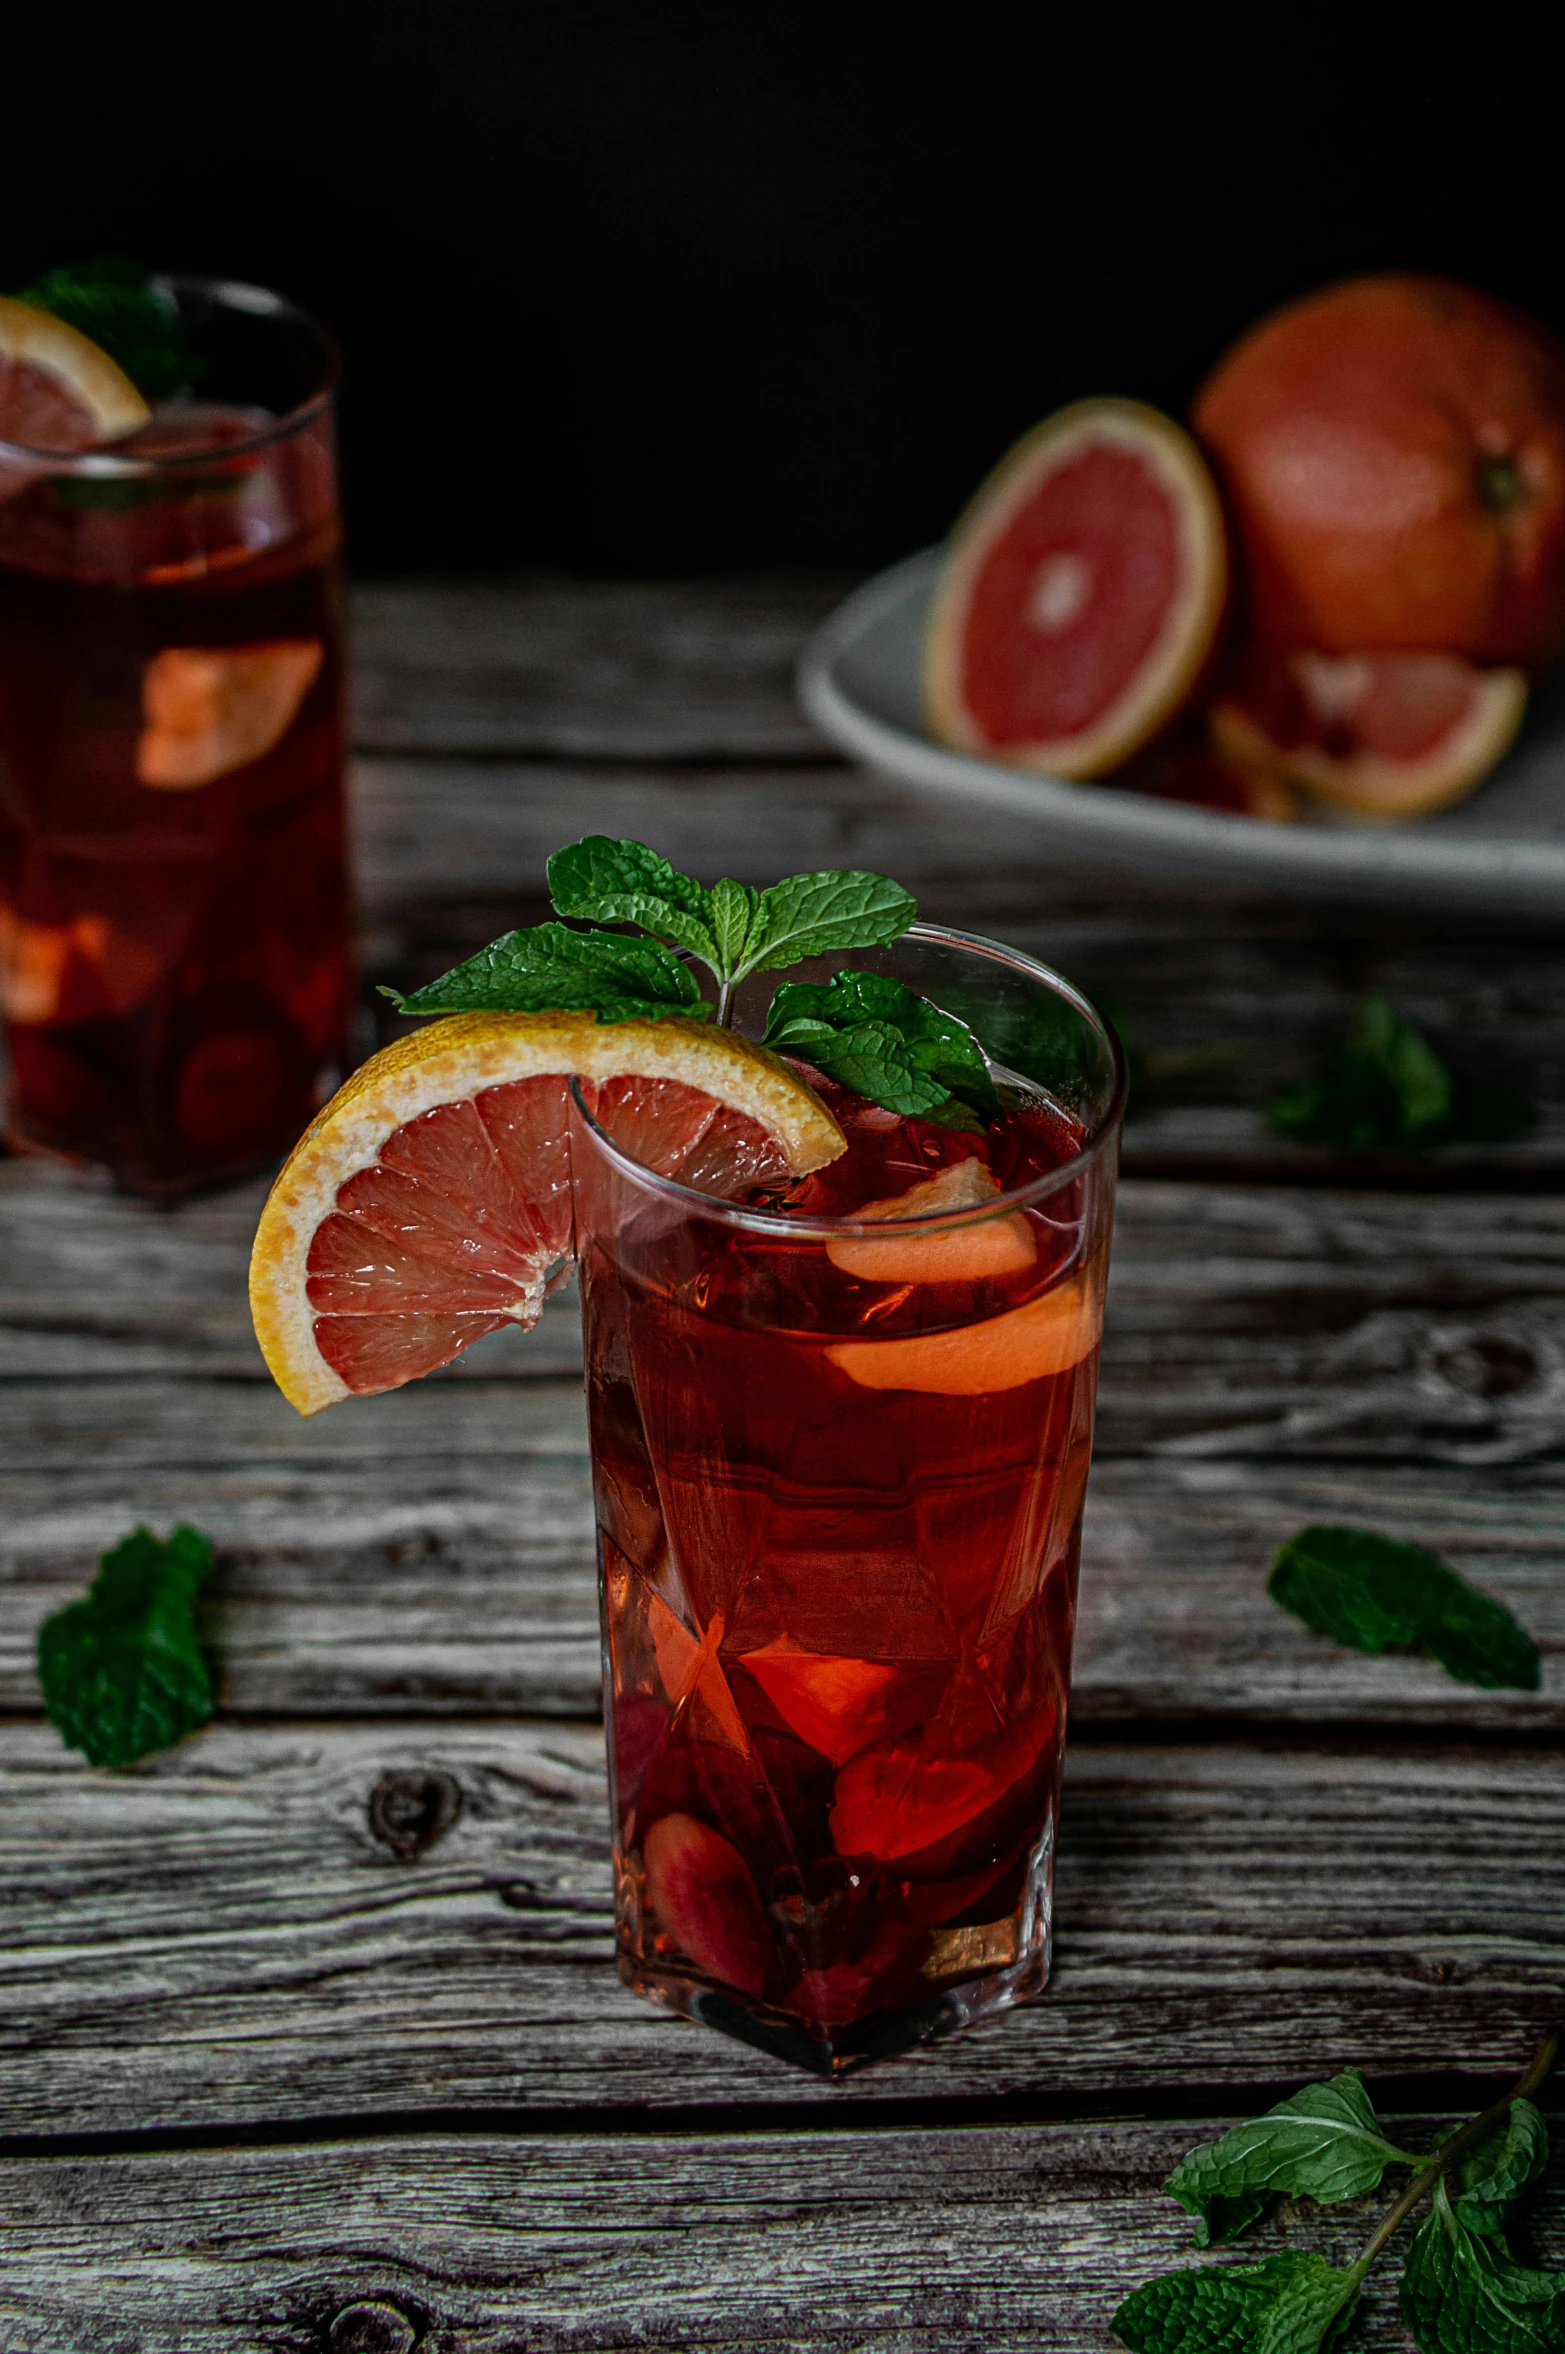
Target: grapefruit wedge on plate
430 1202
1082 595
58 391
1380 736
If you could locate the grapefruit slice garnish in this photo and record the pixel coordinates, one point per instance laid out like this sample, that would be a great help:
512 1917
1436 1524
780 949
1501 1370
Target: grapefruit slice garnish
1048 1335
1385 736
1082 594
58 391
969 1254
430 1201
208 710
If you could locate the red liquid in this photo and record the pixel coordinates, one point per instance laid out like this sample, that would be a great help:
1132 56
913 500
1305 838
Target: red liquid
838 1616
173 906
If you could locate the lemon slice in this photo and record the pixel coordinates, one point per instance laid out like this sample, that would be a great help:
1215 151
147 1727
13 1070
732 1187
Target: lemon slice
58 391
431 1200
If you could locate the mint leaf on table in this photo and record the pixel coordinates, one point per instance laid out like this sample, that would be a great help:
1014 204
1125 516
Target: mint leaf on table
1464 2293
1375 1594
1499 2170
121 1670
601 881
549 969
1386 1089
1295 2303
115 304
1323 2143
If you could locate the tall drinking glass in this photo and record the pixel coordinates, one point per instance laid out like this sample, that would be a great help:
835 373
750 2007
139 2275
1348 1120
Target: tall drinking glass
840 1465
173 901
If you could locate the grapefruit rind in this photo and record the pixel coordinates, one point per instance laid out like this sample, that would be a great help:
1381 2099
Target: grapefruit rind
1190 627
451 1061
37 339
1381 791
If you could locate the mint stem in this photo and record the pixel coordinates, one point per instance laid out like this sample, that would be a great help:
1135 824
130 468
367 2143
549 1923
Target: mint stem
725 990
1464 2139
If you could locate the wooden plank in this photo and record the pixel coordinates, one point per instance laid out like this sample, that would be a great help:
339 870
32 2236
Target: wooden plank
218 1938
1249 1321
1007 2237
628 670
433 1550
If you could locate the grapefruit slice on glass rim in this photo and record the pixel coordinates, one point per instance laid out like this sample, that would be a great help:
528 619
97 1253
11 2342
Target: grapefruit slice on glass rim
1379 736
430 1201
58 391
1082 595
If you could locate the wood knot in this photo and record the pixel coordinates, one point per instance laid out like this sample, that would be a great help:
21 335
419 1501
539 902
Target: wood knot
409 1812
1487 1365
373 2327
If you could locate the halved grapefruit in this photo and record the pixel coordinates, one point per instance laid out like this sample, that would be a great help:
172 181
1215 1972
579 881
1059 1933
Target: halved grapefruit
1384 736
430 1201
1082 596
58 391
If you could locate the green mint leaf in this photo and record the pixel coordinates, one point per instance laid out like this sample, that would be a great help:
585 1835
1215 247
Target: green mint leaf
1324 2143
121 1670
731 912
815 915
551 970
1295 2303
1464 2293
1385 1089
602 881
871 1058
1490 2177
115 304
936 1041
1375 1594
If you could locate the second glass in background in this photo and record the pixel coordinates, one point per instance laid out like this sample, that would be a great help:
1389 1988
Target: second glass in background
173 883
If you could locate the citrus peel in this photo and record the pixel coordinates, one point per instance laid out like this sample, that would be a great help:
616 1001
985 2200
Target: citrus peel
368 1126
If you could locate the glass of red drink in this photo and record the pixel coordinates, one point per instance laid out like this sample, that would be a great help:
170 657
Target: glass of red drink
840 1438
173 899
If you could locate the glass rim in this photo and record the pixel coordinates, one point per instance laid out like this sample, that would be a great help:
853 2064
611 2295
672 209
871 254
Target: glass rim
783 1226
236 294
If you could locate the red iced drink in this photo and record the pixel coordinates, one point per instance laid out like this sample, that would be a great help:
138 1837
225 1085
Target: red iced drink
172 872
840 1450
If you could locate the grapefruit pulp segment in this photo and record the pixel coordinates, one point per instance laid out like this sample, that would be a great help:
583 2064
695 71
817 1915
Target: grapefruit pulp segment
1383 736
1082 594
973 1253
430 1201
1048 1335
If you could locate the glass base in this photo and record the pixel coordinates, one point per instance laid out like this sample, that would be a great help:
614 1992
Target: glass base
882 2037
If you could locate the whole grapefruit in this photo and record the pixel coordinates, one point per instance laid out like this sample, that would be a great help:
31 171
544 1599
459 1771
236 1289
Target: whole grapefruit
1393 453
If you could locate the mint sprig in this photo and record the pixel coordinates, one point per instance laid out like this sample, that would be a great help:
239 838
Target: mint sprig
734 930
1463 2291
1373 1593
121 1670
1385 1089
862 1029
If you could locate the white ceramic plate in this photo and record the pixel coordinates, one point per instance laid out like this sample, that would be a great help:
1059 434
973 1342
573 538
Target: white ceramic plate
1501 852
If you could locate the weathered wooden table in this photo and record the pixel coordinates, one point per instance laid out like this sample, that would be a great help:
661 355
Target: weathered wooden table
310 2036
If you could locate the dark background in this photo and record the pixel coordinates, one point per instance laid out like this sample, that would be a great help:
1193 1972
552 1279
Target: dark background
680 288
